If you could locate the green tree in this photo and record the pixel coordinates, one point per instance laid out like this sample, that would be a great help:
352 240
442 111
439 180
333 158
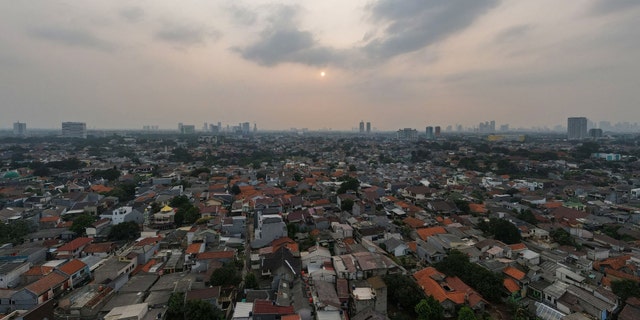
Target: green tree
201 310
81 222
562 237
501 229
625 289
109 174
250 281
227 275
403 292
429 309
466 313
235 190
346 205
348 183
124 231
487 283
176 306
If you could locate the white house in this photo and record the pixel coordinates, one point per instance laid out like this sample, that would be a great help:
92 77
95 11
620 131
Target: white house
123 214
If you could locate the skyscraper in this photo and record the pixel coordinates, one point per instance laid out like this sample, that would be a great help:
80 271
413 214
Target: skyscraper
368 127
430 134
74 130
19 129
361 126
437 133
576 128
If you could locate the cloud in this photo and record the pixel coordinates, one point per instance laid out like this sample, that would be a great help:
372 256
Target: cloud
71 37
186 35
603 7
415 24
132 14
513 33
281 41
242 16
409 25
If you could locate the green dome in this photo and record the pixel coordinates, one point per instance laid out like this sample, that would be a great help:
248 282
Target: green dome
11 175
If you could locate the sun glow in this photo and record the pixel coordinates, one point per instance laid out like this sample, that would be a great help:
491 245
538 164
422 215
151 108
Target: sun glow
323 74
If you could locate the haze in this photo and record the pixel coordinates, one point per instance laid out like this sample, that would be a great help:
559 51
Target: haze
409 63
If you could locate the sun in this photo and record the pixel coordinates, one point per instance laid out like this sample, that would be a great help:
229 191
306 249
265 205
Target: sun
323 74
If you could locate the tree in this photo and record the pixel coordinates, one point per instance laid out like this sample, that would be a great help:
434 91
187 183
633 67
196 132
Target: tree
109 174
466 313
501 229
175 305
625 289
124 231
202 310
403 291
487 283
348 183
235 190
429 309
562 237
346 205
81 222
227 275
250 281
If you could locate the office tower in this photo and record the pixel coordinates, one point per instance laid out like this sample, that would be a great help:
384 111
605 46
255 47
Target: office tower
595 133
187 128
437 133
576 128
19 129
368 127
361 126
504 127
430 134
407 134
246 127
74 130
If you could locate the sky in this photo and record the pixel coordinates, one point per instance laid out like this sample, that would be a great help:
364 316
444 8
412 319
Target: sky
318 64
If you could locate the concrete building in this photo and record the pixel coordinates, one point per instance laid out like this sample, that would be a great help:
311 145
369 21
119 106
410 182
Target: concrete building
74 130
123 214
576 128
270 227
19 129
361 126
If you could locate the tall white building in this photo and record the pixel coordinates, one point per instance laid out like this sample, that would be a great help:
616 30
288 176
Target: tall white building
74 130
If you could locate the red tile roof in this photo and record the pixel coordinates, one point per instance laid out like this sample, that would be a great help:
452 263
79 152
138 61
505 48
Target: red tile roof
43 285
517 246
194 248
75 244
510 285
514 273
72 267
230 254
38 271
267 307
414 222
425 233
430 280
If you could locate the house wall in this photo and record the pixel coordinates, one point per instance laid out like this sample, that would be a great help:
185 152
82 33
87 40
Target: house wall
12 278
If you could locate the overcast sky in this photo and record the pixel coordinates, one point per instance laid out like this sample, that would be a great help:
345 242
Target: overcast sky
395 63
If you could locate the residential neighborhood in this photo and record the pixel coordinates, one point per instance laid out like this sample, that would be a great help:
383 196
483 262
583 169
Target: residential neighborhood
327 226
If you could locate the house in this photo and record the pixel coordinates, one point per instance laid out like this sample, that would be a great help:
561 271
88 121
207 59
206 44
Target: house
451 292
428 252
269 227
10 272
396 247
123 214
517 277
267 310
74 248
576 299
76 271
48 287
315 257
281 262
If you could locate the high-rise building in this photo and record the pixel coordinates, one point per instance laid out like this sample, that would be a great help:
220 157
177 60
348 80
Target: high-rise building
576 128
437 131
407 134
19 129
430 134
74 130
361 126
595 133
368 127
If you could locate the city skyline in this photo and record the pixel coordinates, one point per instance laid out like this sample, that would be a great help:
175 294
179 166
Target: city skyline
318 65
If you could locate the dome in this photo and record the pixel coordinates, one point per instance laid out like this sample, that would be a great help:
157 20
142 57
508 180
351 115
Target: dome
166 209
